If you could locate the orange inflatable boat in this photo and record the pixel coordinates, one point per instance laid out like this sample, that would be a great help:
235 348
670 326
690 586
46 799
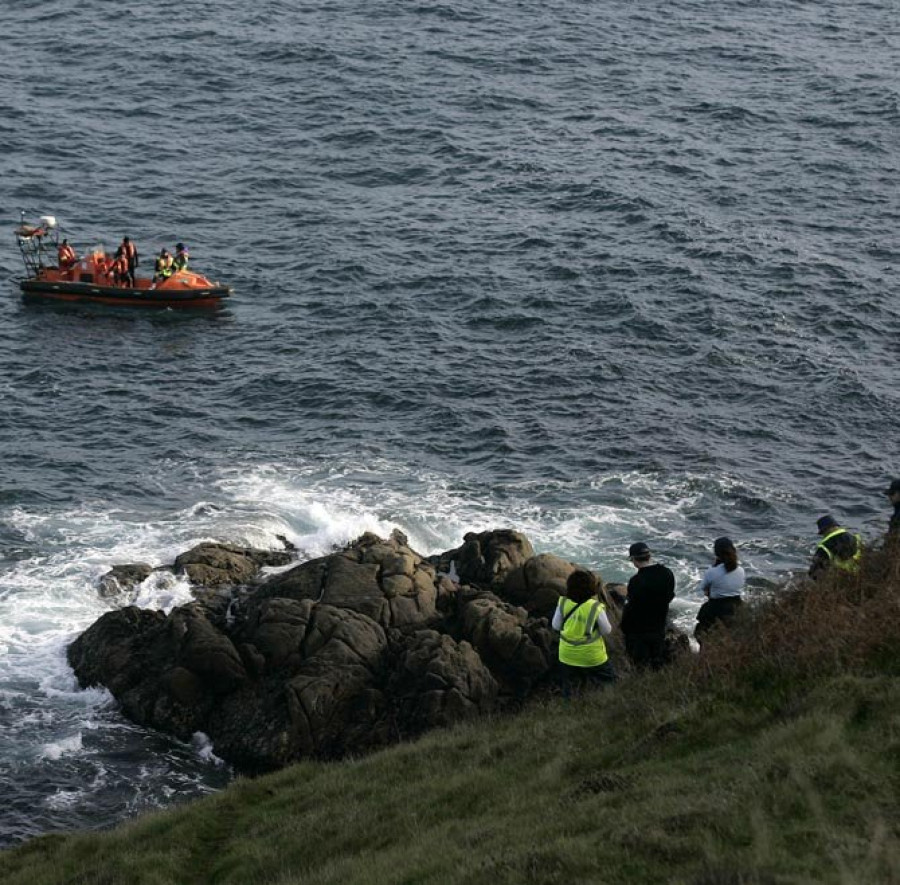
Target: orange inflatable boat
90 279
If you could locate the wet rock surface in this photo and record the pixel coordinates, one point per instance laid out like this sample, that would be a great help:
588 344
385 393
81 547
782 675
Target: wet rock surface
124 578
207 566
336 655
216 565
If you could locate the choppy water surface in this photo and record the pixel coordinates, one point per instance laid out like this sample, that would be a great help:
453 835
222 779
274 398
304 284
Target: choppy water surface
596 271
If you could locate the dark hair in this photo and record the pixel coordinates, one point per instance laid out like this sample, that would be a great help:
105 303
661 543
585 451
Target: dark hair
726 553
581 585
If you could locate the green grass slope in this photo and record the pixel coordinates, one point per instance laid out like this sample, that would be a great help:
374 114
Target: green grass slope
772 757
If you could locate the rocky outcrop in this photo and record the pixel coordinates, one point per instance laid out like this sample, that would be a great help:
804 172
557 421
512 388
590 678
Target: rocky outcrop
437 681
519 650
537 583
208 566
123 578
336 655
215 565
384 580
166 671
487 558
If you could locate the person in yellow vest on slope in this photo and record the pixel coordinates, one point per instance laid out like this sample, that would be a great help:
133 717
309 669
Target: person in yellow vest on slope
582 623
838 548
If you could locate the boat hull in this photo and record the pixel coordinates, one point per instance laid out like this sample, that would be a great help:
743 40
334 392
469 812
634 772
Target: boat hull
89 293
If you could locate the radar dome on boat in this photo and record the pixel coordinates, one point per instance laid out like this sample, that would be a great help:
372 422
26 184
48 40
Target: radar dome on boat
48 221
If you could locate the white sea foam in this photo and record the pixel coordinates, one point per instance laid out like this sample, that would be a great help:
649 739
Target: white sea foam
318 508
204 749
48 600
63 799
162 590
62 747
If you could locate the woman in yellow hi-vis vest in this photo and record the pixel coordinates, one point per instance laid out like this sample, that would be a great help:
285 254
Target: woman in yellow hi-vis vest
582 623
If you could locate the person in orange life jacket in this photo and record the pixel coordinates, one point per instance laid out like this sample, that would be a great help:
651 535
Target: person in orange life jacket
647 608
581 620
66 256
119 268
101 265
893 493
181 257
722 584
838 548
131 257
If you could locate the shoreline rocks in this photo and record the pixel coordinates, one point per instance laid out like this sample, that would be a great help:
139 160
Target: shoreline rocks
336 655
124 578
208 565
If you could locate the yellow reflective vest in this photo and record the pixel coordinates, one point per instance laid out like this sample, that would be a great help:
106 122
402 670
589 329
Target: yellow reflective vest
851 563
580 643
165 266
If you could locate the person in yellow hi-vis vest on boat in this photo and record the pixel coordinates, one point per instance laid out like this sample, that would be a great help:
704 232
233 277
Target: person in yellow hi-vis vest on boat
582 623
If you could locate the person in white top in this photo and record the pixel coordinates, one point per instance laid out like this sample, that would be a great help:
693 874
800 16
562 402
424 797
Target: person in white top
722 584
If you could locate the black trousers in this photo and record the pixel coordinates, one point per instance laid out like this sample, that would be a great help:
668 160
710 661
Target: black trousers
714 611
577 679
646 649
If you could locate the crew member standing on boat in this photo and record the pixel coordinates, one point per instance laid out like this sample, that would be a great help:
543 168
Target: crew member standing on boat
131 258
181 257
67 257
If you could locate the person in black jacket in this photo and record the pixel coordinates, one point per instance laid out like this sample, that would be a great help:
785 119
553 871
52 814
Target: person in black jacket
893 492
647 608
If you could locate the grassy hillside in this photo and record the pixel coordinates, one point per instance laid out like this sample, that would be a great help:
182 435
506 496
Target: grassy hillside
774 756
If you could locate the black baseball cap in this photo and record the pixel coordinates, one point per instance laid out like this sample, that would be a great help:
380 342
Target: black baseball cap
823 523
638 550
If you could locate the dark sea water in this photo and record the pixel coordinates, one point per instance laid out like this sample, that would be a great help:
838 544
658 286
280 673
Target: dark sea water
597 271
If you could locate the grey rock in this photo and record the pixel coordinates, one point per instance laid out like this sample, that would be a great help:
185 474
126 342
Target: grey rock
485 559
336 655
215 565
123 578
